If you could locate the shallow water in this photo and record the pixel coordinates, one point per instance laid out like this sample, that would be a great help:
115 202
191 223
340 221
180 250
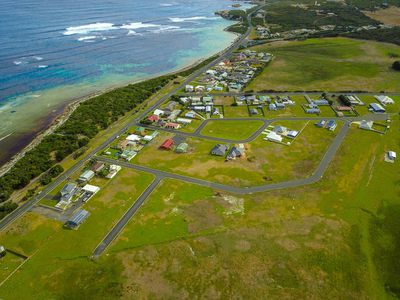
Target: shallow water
54 51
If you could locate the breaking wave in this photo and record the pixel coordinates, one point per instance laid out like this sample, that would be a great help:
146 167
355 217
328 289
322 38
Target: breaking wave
85 29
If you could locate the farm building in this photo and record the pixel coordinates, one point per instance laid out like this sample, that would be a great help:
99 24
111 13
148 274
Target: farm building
77 219
314 110
219 150
182 148
376 108
167 145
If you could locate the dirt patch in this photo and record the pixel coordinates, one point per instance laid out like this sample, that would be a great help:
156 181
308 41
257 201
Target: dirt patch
201 216
287 244
389 16
243 245
302 226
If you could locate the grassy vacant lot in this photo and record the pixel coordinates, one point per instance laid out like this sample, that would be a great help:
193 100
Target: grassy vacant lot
57 253
331 64
265 161
233 130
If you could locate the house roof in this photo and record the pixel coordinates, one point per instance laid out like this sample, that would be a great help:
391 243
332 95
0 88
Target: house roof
153 118
167 144
219 149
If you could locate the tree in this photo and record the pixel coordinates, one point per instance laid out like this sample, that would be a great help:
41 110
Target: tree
396 65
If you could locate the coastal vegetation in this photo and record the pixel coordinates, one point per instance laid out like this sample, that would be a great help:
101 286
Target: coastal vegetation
88 119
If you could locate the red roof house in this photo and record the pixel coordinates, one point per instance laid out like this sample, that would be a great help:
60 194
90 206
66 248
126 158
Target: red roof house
167 145
153 118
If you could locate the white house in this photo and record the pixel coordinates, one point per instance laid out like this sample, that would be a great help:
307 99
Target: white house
384 100
189 88
133 138
274 137
158 112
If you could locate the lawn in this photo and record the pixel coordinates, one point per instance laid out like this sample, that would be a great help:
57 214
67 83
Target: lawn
232 130
264 162
331 64
58 251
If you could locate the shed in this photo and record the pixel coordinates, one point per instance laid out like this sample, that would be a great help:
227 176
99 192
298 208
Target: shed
392 155
377 108
182 148
91 188
77 219
86 176
98 166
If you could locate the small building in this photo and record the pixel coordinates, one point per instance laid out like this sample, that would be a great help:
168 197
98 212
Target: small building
77 219
280 129
384 100
150 137
153 118
189 88
314 110
274 137
219 150
184 121
128 154
236 151
2 251
98 167
171 125
140 131
167 144
91 189
133 138
376 108
343 108
253 111
190 114
279 105
158 112
272 106
392 155
331 125
321 124
114 169
367 125
292 133
68 191
182 148
86 176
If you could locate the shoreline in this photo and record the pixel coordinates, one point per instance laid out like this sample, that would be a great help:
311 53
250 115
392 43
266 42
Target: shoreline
64 111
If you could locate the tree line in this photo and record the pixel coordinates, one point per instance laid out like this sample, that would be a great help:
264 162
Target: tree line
86 121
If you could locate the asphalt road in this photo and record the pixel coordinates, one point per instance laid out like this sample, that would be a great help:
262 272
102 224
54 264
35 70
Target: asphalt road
21 210
125 218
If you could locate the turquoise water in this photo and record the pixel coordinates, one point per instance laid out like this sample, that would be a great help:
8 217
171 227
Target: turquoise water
54 52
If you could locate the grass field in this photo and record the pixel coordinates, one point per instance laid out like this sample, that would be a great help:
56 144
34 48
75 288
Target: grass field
55 253
336 239
232 130
332 64
264 162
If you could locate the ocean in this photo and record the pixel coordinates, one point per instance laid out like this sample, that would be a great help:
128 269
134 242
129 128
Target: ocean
52 52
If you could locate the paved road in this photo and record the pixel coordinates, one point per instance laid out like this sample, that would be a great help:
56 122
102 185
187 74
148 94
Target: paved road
32 202
114 232
317 175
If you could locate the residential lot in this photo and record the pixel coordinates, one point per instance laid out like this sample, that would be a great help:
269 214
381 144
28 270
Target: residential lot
232 130
263 161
